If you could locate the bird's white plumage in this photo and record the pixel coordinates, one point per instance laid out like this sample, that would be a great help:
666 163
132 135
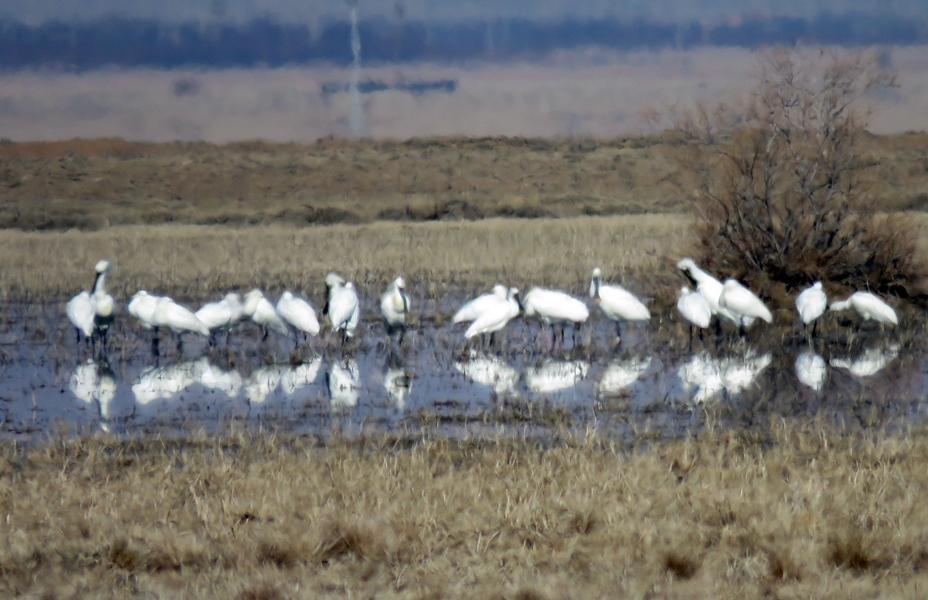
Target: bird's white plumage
707 285
869 307
142 306
344 307
298 312
260 310
554 306
694 307
394 303
473 309
94 310
811 370
742 303
811 303
81 313
222 314
496 316
616 302
178 318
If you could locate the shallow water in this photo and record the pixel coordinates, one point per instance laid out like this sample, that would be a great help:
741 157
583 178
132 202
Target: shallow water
652 385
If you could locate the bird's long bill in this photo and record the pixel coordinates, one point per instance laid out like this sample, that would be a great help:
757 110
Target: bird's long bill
518 298
405 302
594 289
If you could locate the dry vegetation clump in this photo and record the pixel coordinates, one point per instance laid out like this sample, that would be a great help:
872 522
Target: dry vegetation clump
795 512
783 182
195 262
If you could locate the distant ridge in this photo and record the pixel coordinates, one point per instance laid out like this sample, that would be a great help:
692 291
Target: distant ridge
128 42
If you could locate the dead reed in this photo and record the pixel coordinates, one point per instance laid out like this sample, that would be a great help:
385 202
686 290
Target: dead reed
797 511
195 262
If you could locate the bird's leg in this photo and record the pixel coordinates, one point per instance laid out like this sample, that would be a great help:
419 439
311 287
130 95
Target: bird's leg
154 344
180 344
212 338
691 339
618 333
78 338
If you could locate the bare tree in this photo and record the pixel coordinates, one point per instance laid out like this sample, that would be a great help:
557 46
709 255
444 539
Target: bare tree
777 179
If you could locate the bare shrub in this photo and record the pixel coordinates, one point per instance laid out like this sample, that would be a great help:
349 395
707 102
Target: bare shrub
778 179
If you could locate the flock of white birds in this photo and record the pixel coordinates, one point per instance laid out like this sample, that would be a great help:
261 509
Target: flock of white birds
93 311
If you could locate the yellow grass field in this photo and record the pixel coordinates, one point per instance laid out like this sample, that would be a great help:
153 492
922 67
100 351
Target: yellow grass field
195 262
792 512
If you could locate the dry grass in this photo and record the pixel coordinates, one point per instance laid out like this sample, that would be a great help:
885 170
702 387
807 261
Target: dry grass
194 262
794 513
93 184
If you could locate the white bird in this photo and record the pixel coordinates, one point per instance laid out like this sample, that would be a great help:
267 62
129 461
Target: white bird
811 304
621 374
695 309
177 318
490 371
741 302
299 313
394 306
92 312
142 306
555 308
342 305
616 302
344 383
871 362
711 289
869 307
811 370
496 316
707 285
473 309
260 310
555 376
222 315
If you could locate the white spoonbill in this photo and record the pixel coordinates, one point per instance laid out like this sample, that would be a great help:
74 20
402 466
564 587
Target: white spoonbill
475 308
342 305
394 306
496 316
711 289
741 303
695 309
811 304
92 312
616 302
869 307
555 308
179 319
262 312
222 315
299 313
